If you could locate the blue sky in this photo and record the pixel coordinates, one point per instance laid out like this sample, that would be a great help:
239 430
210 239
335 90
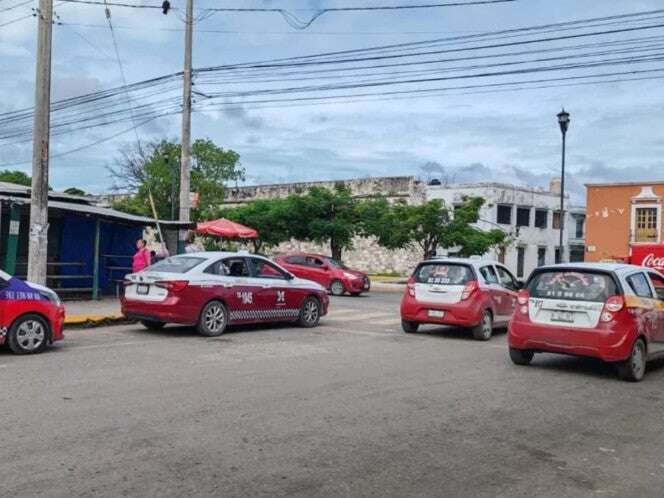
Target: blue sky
615 134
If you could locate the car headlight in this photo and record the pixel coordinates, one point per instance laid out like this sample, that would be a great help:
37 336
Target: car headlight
52 297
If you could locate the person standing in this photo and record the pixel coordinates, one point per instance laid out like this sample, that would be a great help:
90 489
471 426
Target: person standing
142 258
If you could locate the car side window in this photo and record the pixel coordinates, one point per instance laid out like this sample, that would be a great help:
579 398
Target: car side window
639 284
265 269
658 283
489 274
296 260
314 262
216 268
507 280
235 267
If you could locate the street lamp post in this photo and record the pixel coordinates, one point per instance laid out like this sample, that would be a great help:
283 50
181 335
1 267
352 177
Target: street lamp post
563 121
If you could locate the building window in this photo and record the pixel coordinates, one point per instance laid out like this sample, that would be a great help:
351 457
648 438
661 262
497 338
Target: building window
558 255
541 216
541 256
579 227
504 214
645 227
520 261
522 217
555 224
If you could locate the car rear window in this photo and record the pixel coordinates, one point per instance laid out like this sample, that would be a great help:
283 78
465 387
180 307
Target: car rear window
179 264
443 274
572 285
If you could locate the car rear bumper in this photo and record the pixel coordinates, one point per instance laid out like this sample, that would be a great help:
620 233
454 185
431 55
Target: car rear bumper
168 311
459 315
607 345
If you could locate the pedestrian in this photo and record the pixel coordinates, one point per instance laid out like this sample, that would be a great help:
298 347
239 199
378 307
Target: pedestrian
142 257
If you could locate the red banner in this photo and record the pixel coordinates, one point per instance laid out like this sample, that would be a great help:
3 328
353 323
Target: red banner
648 255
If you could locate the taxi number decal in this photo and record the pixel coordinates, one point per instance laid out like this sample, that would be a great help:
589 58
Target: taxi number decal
281 296
246 297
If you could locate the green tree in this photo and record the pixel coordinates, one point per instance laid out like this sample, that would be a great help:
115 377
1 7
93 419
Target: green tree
74 191
270 217
428 226
155 169
17 177
324 216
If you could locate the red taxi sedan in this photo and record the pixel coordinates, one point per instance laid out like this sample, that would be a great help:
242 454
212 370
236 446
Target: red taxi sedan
211 290
614 312
328 272
31 315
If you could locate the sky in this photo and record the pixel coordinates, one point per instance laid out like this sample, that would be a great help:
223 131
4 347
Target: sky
513 137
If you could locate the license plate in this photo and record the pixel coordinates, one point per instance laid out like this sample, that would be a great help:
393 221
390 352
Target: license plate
142 289
562 316
436 314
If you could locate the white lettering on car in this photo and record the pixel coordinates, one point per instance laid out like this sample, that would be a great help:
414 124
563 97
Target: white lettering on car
246 297
281 296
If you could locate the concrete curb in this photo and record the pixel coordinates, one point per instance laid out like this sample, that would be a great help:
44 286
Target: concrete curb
387 287
89 321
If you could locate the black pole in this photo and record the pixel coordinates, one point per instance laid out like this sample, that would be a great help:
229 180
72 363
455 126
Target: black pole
562 203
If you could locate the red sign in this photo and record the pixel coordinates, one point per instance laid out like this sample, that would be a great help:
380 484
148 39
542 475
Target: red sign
648 255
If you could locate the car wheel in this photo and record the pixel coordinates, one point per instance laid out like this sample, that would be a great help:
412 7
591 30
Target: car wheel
28 335
483 331
152 324
355 294
337 288
309 312
634 368
521 356
213 319
409 327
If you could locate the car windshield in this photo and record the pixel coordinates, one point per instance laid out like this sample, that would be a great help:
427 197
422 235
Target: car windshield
443 274
336 264
572 285
177 264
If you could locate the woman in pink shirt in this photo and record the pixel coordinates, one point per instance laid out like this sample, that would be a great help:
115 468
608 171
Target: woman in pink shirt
142 257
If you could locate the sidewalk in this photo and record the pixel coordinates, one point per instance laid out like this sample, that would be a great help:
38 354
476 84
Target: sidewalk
89 312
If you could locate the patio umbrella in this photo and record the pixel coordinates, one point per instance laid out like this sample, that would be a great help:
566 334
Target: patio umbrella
226 229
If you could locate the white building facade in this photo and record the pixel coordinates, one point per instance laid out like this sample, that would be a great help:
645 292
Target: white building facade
530 216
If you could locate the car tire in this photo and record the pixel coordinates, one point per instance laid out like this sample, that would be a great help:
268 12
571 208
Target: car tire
213 319
409 327
29 334
521 356
152 324
337 288
356 294
634 368
309 313
483 331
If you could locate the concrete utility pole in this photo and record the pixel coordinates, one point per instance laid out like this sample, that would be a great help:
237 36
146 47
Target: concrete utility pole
37 253
185 158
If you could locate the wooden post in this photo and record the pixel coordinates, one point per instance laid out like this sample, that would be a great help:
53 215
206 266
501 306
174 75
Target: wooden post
95 264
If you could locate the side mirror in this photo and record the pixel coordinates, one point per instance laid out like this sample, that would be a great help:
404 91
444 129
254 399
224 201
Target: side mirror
290 276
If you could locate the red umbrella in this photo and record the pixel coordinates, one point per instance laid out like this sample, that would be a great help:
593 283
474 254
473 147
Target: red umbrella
226 229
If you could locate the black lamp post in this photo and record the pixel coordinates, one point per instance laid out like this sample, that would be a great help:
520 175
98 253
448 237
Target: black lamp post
563 121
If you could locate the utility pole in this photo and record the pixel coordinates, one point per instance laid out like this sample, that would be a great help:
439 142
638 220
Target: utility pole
563 121
185 158
38 242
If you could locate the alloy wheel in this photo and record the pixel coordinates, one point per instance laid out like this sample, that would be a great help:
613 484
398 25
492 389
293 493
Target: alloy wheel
215 318
30 335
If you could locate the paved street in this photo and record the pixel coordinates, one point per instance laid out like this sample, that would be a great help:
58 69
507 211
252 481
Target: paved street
352 408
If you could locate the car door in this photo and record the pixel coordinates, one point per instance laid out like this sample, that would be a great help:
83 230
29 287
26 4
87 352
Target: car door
493 289
240 288
510 287
657 281
276 299
318 271
645 307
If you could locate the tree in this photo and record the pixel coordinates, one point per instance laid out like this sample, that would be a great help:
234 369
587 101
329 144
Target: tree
270 217
15 176
155 169
74 191
324 216
429 226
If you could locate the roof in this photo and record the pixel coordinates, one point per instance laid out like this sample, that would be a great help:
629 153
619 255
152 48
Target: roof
504 186
625 184
611 267
467 261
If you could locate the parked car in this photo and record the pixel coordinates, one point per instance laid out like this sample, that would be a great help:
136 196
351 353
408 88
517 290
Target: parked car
211 290
473 293
326 271
31 315
614 312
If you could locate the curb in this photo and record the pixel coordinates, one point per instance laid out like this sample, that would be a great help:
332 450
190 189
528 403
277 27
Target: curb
89 321
387 287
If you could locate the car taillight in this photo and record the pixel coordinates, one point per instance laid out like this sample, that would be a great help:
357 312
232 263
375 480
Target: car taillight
613 305
522 297
411 287
469 289
173 285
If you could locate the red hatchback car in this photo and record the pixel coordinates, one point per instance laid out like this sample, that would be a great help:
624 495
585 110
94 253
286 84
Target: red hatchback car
326 271
473 293
614 312
31 315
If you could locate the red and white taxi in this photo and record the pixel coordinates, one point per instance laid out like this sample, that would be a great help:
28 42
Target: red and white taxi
614 312
31 315
473 293
211 290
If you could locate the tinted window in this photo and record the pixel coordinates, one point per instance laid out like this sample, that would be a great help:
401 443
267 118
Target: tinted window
658 282
235 267
295 260
265 269
178 264
572 286
443 274
639 284
315 262
489 274
336 264
506 278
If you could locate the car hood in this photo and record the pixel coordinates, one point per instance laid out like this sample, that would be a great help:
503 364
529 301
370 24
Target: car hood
357 273
310 284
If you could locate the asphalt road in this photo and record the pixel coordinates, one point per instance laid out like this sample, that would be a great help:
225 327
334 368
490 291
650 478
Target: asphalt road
352 408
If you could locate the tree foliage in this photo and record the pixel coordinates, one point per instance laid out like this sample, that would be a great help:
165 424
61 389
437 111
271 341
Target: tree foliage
270 217
15 176
155 169
74 191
